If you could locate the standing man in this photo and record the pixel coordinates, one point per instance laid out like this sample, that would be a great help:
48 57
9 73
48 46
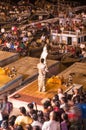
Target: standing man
42 70
53 123
6 109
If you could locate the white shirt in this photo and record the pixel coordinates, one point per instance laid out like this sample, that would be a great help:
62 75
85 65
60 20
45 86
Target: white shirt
42 37
8 45
82 46
51 125
60 95
36 123
41 69
84 53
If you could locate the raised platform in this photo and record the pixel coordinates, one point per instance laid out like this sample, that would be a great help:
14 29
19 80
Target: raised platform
7 58
26 73
27 66
30 92
78 71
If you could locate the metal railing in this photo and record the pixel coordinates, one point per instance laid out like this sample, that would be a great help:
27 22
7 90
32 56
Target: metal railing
69 32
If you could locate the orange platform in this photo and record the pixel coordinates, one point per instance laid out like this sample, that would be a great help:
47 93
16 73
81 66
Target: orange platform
30 93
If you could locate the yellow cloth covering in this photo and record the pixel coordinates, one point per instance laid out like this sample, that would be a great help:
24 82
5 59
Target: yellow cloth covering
3 77
55 82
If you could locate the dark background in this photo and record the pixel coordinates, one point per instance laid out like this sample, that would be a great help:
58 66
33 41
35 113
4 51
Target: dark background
83 2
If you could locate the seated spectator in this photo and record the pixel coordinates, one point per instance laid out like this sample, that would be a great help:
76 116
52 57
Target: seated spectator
4 125
19 127
47 108
36 128
35 121
31 109
63 102
81 105
23 119
40 116
60 93
55 98
29 127
74 116
11 46
75 93
11 122
65 124
84 53
57 108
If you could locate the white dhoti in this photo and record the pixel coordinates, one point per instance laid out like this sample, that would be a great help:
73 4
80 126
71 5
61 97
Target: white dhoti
41 83
42 70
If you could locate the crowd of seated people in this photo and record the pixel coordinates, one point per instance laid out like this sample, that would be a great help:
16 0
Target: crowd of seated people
62 112
19 39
